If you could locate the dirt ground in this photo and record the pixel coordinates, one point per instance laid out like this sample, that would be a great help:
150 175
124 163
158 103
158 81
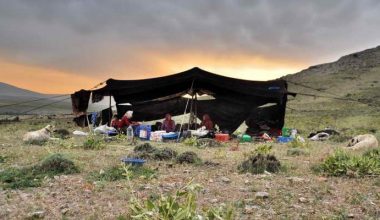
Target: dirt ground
294 193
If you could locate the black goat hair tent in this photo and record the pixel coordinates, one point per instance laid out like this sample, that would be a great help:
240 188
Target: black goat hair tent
235 100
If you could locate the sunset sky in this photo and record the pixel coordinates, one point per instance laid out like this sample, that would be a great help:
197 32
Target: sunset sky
63 46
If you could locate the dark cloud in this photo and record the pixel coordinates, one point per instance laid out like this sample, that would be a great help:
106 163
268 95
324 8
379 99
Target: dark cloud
93 36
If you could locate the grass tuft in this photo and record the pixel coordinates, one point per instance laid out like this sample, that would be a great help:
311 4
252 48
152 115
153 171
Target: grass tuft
341 163
117 173
32 176
189 157
93 143
259 163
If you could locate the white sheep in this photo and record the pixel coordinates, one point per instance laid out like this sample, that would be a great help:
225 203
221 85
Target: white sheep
363 141
39 136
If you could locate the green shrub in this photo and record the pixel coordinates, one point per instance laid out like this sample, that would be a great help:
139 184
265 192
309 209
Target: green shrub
146 147
342 163
192 141
57 164
297 143
32 176
263 149
259 163
189 157
93 143
61 133
181 205
165 154
373 154
2 158
117 173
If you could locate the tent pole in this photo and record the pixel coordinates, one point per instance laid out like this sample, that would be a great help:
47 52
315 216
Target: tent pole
110 114
195 110
187 103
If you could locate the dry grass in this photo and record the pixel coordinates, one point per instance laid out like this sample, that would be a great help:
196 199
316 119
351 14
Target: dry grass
76 196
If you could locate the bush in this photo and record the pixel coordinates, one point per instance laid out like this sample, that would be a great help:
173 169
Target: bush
188 157
297 143
373 154
180 206
342 163
146 151
191 141
32 176
263 149
117 173
61 133
93 143
142 155
259 163
57 164
165 154
2 158
146 147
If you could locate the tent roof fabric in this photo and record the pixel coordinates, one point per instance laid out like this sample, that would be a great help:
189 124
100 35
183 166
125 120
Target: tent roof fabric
237 95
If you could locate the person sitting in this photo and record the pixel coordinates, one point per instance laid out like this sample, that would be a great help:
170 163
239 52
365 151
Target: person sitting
115 122
207 123
168 124
125 121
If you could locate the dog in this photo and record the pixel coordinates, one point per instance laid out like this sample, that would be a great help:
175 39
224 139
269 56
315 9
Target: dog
39 136
363 141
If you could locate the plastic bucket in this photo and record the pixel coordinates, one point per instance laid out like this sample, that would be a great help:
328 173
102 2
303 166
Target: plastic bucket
246 138
222 137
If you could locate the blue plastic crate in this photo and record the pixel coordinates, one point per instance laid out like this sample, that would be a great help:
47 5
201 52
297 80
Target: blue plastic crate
146 128
170 136
133 161
281 139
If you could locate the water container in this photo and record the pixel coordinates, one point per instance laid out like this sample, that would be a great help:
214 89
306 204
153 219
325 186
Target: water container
130 133
286 132
144 132
246 138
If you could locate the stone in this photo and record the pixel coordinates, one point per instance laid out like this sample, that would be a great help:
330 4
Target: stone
65 211
262 195
214 201
296 180
243 189
36 214
226 180
302 200
248 209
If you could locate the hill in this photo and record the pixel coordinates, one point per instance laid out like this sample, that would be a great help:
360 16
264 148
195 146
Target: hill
11 94
354 83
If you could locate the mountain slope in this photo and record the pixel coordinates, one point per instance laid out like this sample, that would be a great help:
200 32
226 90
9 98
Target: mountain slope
352 77
11 94
7 90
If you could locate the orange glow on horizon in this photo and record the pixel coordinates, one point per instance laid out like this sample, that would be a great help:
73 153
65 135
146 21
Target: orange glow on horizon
239 65
43 80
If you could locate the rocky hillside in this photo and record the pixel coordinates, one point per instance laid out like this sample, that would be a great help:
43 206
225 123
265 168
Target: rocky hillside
11 94
352 77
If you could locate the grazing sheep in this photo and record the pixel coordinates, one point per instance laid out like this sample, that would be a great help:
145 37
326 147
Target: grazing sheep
363 141
40 136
